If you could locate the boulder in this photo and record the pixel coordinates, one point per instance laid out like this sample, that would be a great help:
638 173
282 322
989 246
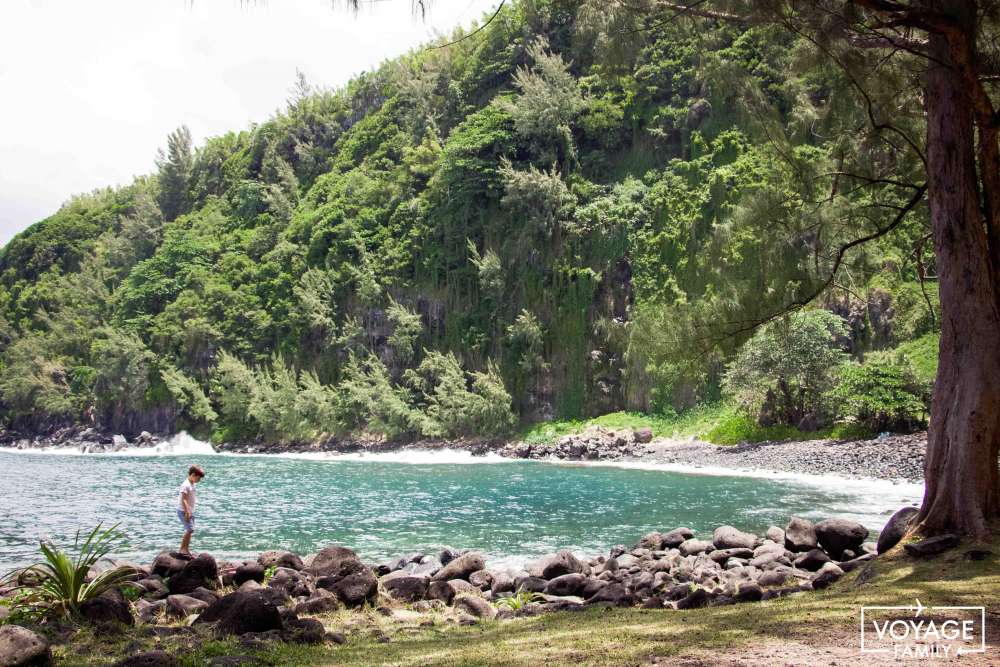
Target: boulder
280 559
698 597
481 579
443 590
242 612
895 528
800 535
406 587
320 602
249 572
149 659
354 589
775 534
305 631
723 555
932 545
530 584
556 565
153 587
199 571
147 610
185 605
839 535
653 541
107 609
749 592
826 575
613 594
461 567
812 560
474 606
168 564
692 547
447 555
776 577
336 562
727 537
20 647
643 435
675 537
503 582
567 584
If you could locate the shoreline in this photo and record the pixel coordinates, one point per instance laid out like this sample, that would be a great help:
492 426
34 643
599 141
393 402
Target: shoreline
895 458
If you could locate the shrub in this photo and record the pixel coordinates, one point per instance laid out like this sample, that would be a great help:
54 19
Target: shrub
785 371
883 394
59 583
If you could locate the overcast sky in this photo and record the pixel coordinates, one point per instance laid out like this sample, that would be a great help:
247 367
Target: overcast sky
89 89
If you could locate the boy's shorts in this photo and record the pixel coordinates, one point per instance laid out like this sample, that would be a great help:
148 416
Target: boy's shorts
188 523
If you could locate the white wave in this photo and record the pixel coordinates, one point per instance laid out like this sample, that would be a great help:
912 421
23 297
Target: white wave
415 456
179 444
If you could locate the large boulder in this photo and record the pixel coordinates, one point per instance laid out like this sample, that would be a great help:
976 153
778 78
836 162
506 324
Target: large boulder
249 572
461 567
168 564
812 560
675 537
895 528
727 537
199 571
320 602
354 589
305 631
405 587
694 547
800 535
839 535
556 565
280 559
567 584
335 561
185 605
614 595
829 573
20 647
242 612
107 609
475 606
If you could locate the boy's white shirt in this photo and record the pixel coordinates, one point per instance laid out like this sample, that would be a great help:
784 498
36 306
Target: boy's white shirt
186 489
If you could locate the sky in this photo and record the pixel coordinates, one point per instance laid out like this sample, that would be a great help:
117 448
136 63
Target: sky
89 89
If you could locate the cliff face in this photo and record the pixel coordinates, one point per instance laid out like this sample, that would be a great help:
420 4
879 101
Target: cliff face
549 206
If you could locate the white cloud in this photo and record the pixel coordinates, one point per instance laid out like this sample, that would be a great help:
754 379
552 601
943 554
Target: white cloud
89 89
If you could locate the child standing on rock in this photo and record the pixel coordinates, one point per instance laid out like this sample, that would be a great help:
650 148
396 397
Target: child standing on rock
185 506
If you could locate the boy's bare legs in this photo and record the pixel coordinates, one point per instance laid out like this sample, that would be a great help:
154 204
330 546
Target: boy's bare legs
186 542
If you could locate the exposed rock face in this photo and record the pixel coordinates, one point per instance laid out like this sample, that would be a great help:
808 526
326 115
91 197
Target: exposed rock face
800 535
839 535
20 647
895 529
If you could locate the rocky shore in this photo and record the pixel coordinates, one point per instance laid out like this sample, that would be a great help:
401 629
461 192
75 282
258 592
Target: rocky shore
281 596
888 457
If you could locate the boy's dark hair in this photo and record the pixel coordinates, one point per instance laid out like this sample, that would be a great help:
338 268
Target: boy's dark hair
196 470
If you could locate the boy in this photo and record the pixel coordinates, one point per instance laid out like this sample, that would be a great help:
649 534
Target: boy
185 506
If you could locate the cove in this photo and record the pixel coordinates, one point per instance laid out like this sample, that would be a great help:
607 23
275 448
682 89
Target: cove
387 506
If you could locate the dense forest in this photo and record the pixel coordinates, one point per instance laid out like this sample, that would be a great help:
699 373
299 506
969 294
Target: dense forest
579 210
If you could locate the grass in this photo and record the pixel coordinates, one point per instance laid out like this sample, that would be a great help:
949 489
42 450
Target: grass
718 423
618 637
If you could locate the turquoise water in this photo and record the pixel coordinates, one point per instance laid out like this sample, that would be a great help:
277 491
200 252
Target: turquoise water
509 510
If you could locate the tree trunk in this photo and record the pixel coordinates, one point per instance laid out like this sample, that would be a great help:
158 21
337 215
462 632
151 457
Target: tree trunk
962 483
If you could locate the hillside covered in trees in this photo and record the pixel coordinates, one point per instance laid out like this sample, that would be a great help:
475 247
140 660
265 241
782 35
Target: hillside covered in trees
578 210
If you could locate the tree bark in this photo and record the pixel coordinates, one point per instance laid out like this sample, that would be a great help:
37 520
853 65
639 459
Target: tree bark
962 492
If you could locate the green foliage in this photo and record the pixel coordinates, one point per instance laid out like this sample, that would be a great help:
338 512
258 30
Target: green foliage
62 581
882 394
785 370
518 600
572 202
922 354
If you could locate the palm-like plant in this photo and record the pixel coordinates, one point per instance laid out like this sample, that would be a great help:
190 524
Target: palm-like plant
519 600
58 585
